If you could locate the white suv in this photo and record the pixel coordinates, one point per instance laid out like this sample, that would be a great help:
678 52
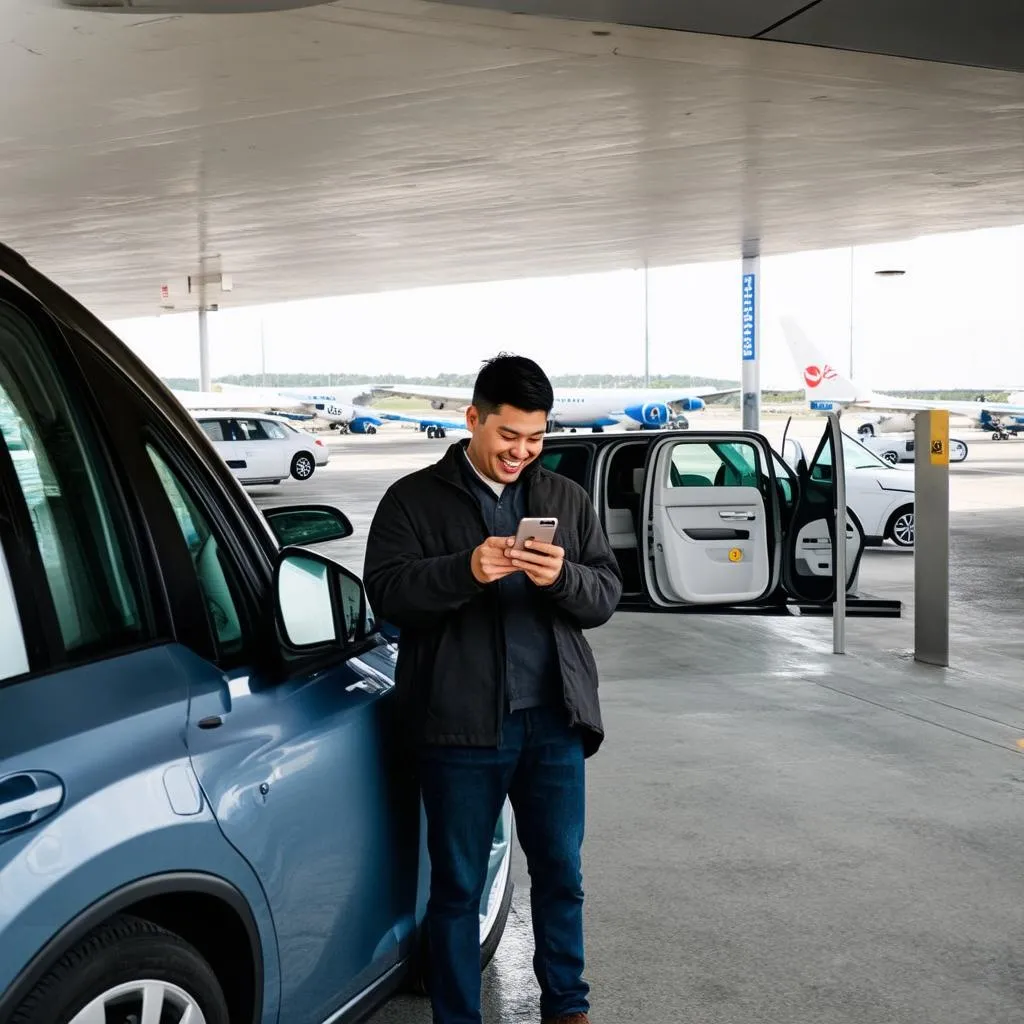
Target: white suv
263 449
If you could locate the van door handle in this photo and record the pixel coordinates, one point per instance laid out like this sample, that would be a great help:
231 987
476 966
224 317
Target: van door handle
27 798
733 514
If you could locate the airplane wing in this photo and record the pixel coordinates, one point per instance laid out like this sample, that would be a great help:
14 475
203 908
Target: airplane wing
248 398
456 398
973 410
707 394
421 421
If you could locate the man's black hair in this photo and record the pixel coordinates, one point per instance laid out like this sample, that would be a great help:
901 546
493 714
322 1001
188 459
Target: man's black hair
512 380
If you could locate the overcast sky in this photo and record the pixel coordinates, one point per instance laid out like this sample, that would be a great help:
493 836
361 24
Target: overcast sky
953 320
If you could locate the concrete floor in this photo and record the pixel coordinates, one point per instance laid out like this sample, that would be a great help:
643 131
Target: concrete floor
777 834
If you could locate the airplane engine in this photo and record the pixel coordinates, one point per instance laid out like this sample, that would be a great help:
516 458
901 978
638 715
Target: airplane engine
649 415
897 423
364 425
690 404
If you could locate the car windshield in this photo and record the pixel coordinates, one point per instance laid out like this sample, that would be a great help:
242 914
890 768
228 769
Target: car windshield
855 455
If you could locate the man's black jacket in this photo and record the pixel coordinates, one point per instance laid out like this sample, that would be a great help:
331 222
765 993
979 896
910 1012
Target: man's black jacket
418 576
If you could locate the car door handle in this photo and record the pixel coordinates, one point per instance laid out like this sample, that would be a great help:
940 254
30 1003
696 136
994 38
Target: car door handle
732 515
363 685
27 798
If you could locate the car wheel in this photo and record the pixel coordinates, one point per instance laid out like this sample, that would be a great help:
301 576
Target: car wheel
494 907
303 466
891 457
901 527
123 972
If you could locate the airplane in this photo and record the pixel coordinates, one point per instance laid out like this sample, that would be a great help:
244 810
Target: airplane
585 408
826 387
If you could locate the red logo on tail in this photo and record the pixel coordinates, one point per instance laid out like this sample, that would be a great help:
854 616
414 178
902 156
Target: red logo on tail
814 375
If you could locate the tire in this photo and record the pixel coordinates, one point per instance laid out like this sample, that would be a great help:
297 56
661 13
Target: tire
303 466
996 436
371 429
114 960
866 430
900 528
893 458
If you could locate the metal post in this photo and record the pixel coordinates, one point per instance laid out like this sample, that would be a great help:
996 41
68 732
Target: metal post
647 333
263 353
839 552
204 349
931 537
851 312
751 382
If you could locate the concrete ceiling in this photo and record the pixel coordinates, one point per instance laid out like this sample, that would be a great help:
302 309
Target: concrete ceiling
378 144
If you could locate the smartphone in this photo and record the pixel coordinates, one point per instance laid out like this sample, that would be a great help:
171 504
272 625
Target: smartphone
535 529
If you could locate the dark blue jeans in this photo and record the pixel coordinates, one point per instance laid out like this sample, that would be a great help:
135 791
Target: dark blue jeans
539 766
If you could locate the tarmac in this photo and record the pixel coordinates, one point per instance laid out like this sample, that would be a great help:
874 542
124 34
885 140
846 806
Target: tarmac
777 834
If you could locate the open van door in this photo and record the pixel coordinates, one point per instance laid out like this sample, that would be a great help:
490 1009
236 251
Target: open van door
809 535
711 531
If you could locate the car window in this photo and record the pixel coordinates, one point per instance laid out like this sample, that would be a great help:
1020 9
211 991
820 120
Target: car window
718 464
13 656
273 430
214 429
782 476
251 430
79 529
855 456
221 603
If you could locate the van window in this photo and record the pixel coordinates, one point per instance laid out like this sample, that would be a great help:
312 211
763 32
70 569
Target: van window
717 464
572 461
61 475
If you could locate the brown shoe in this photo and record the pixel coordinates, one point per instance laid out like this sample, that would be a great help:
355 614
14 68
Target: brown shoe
572 1018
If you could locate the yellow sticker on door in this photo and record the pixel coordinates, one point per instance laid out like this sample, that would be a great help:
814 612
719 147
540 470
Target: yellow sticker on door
736 555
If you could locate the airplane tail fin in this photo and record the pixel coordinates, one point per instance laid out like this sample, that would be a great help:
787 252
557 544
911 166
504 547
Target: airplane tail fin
822 381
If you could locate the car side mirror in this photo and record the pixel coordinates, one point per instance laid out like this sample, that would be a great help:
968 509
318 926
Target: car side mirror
318 602
308 524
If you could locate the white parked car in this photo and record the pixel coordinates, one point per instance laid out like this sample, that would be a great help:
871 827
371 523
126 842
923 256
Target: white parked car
896 448
880 495
263 449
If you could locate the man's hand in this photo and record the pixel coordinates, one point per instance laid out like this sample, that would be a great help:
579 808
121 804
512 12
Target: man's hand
541 562
489 562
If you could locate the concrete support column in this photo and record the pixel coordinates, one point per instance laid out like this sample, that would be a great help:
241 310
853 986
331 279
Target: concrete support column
751 342
931 537
204 351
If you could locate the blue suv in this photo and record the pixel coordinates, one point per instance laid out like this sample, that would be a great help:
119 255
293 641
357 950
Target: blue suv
207 811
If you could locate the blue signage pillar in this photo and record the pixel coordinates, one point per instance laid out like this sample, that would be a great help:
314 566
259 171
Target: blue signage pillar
751 342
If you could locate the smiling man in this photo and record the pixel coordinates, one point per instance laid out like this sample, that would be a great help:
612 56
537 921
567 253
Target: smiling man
496 683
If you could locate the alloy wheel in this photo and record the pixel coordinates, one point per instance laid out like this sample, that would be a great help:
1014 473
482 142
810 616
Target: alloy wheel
146 1001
